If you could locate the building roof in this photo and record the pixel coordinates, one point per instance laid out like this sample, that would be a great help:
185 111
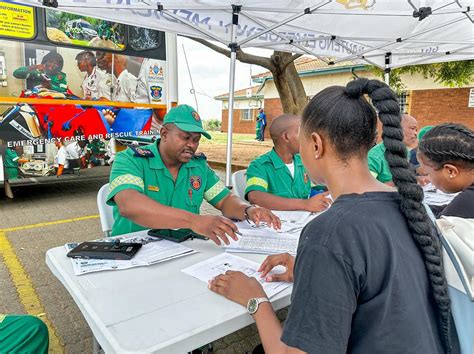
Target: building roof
242 94
305 66
312 66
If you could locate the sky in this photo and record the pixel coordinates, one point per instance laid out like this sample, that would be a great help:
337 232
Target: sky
210 75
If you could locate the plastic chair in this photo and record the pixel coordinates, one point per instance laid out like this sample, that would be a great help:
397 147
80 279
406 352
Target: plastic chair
105 211
239 181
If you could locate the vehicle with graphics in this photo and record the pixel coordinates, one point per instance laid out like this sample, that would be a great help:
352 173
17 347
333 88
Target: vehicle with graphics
73 98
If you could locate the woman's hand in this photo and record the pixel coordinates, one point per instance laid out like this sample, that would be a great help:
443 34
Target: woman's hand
237 287
271 262
258 214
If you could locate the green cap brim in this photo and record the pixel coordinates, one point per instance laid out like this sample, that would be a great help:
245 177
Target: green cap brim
191 128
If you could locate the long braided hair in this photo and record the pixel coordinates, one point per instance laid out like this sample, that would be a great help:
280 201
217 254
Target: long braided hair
449 143
333 111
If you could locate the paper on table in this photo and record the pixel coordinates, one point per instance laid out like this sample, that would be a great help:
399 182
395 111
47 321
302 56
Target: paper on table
212 267
263 242
438 198
153 251
292 217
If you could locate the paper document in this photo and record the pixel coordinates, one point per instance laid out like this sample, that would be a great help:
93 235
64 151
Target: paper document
438 198
263 242
212 267
153 251
292 217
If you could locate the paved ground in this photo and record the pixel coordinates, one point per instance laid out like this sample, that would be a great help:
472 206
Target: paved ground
43 217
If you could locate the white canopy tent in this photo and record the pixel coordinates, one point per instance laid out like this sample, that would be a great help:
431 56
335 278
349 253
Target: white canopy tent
385 33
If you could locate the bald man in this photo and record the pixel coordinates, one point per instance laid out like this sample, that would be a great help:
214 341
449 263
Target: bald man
126 82
278 180
378 165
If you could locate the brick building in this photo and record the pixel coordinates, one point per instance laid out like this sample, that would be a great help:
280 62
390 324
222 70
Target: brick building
429 102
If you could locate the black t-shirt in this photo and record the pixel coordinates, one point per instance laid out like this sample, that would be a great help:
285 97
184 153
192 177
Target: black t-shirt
360 284
462 205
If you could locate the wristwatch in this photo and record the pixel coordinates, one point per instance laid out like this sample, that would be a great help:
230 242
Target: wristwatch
252 305
246 211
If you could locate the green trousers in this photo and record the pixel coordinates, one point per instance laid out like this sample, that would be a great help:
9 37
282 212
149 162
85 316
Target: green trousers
23 334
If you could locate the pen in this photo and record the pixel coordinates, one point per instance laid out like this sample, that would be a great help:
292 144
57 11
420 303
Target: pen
238 233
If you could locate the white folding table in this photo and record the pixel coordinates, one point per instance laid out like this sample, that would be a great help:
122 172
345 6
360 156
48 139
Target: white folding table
155 309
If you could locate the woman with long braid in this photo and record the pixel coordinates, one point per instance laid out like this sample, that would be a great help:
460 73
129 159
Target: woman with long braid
446 153
368 275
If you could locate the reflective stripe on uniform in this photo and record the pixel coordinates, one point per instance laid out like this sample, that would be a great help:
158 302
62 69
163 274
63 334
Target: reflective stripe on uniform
214 191
2 317
257 181
126 179
375 174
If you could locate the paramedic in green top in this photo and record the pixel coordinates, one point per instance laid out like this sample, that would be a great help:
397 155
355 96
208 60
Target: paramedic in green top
378 165
278 179
11 163
48 74
162 185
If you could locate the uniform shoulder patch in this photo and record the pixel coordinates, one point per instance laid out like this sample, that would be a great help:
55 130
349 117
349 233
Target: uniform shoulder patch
200 156
139 152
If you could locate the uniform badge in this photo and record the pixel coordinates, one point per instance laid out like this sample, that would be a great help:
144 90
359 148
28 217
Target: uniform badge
154 188
139 152
306 177
195 182
59 76
196 116
156 92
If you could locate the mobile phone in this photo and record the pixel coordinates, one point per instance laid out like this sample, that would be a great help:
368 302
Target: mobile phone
45 77
179 235
105 250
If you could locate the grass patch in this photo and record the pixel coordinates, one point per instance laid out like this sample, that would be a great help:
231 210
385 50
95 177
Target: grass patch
221 138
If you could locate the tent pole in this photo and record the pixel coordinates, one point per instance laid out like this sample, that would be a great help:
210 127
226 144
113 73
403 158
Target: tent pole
387 70
233 57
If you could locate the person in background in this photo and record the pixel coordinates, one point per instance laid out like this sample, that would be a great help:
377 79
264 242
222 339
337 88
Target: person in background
23 334
11 163
60 160
446 154
95 84
126 82
48 74
95 151
278 180
258 128
76 154
263 123
162 185
104 63
368 275
413 159
378 165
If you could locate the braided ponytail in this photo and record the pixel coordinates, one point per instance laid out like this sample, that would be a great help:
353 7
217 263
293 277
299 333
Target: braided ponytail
449 143
385 101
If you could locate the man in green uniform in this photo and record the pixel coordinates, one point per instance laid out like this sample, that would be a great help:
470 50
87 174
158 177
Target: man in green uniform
378 165
162 185
23 334
47 74
278 180
11 163
95 151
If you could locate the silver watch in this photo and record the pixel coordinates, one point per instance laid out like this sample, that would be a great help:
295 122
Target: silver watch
252 305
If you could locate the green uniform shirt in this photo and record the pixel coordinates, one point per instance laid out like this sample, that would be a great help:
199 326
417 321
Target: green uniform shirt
132 169
378 165
96 148
11 164
23 334
268 173
58 81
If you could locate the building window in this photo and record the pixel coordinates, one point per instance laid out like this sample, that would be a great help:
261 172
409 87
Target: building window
404 101
246 114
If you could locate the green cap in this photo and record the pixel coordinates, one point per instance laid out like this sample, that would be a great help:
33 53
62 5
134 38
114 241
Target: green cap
186 118
423 131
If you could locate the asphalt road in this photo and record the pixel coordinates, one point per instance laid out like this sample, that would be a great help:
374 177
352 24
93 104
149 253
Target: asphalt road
43 217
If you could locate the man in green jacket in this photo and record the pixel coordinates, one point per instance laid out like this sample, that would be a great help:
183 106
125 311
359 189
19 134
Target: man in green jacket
278 180
11 163
48 74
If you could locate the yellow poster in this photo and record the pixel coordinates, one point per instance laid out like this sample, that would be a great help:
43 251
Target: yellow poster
16 21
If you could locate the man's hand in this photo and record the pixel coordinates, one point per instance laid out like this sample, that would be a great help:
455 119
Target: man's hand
217 228
271 262
317 203
237 287
258 214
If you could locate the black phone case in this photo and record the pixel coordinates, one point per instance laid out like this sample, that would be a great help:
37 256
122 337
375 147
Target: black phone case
105 250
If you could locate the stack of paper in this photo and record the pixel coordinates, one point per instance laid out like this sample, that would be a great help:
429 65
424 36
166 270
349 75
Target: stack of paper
212 267
264 242
153 251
